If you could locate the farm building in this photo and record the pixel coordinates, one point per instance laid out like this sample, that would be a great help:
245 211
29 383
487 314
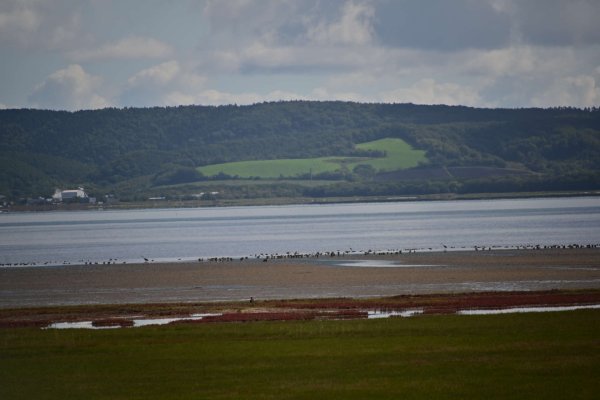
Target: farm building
71 194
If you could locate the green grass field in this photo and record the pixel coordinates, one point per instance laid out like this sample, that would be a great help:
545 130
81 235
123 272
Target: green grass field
518 356
259 182
399 155
268 169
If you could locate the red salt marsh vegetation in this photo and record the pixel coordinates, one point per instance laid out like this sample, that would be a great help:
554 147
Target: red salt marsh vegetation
288 310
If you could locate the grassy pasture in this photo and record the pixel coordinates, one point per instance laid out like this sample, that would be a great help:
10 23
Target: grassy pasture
269 169
202 185
517 356
399 155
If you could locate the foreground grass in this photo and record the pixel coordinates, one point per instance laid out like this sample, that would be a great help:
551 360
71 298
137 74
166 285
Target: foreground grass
551 355
399 155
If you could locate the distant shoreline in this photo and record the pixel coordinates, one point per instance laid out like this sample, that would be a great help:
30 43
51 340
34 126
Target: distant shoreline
279 201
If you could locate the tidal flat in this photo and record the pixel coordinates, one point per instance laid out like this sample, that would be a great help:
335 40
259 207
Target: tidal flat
324 277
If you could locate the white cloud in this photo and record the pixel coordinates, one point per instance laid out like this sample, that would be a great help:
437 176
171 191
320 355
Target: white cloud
428 91
354 27
354 79
512 61
259 54
18 18
177 98
522 76
512 77
503 6
322 93
277 36
133 47
164 87
216 97
575 91
263 58
211 97
235 23
156 75
70 88
33 24
168 83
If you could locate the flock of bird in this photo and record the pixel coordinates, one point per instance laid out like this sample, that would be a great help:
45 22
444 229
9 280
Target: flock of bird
265 257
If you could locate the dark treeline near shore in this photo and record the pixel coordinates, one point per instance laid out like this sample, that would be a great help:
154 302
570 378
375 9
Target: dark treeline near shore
135 153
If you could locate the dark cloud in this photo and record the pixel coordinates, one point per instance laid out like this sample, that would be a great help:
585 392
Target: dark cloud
441 24
236 22
557 22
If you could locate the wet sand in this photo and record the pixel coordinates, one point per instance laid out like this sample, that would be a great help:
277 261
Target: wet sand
420 273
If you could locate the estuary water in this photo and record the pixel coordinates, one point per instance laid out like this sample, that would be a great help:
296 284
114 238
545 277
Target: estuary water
77 237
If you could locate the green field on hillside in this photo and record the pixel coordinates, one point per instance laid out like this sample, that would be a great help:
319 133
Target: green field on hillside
399 155
514 356
268 169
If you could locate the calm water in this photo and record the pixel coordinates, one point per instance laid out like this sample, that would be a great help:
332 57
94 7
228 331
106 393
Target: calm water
171 234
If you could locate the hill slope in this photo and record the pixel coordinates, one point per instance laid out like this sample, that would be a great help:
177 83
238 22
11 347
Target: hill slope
388 154
146 151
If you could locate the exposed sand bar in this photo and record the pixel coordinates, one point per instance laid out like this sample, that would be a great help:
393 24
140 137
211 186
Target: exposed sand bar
465 271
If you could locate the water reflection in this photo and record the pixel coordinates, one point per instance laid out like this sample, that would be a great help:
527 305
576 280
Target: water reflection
527 310
130 235
136 322
387 314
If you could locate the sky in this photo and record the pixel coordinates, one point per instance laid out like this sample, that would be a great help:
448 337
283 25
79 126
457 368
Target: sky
90 54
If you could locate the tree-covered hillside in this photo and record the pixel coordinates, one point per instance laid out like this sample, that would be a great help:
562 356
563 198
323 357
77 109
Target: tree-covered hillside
148 151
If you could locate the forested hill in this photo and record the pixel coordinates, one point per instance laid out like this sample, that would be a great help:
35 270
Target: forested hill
147 150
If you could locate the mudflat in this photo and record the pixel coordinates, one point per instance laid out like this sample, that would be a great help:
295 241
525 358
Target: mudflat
324 277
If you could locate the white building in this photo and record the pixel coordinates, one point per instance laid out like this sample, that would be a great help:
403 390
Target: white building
71 194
